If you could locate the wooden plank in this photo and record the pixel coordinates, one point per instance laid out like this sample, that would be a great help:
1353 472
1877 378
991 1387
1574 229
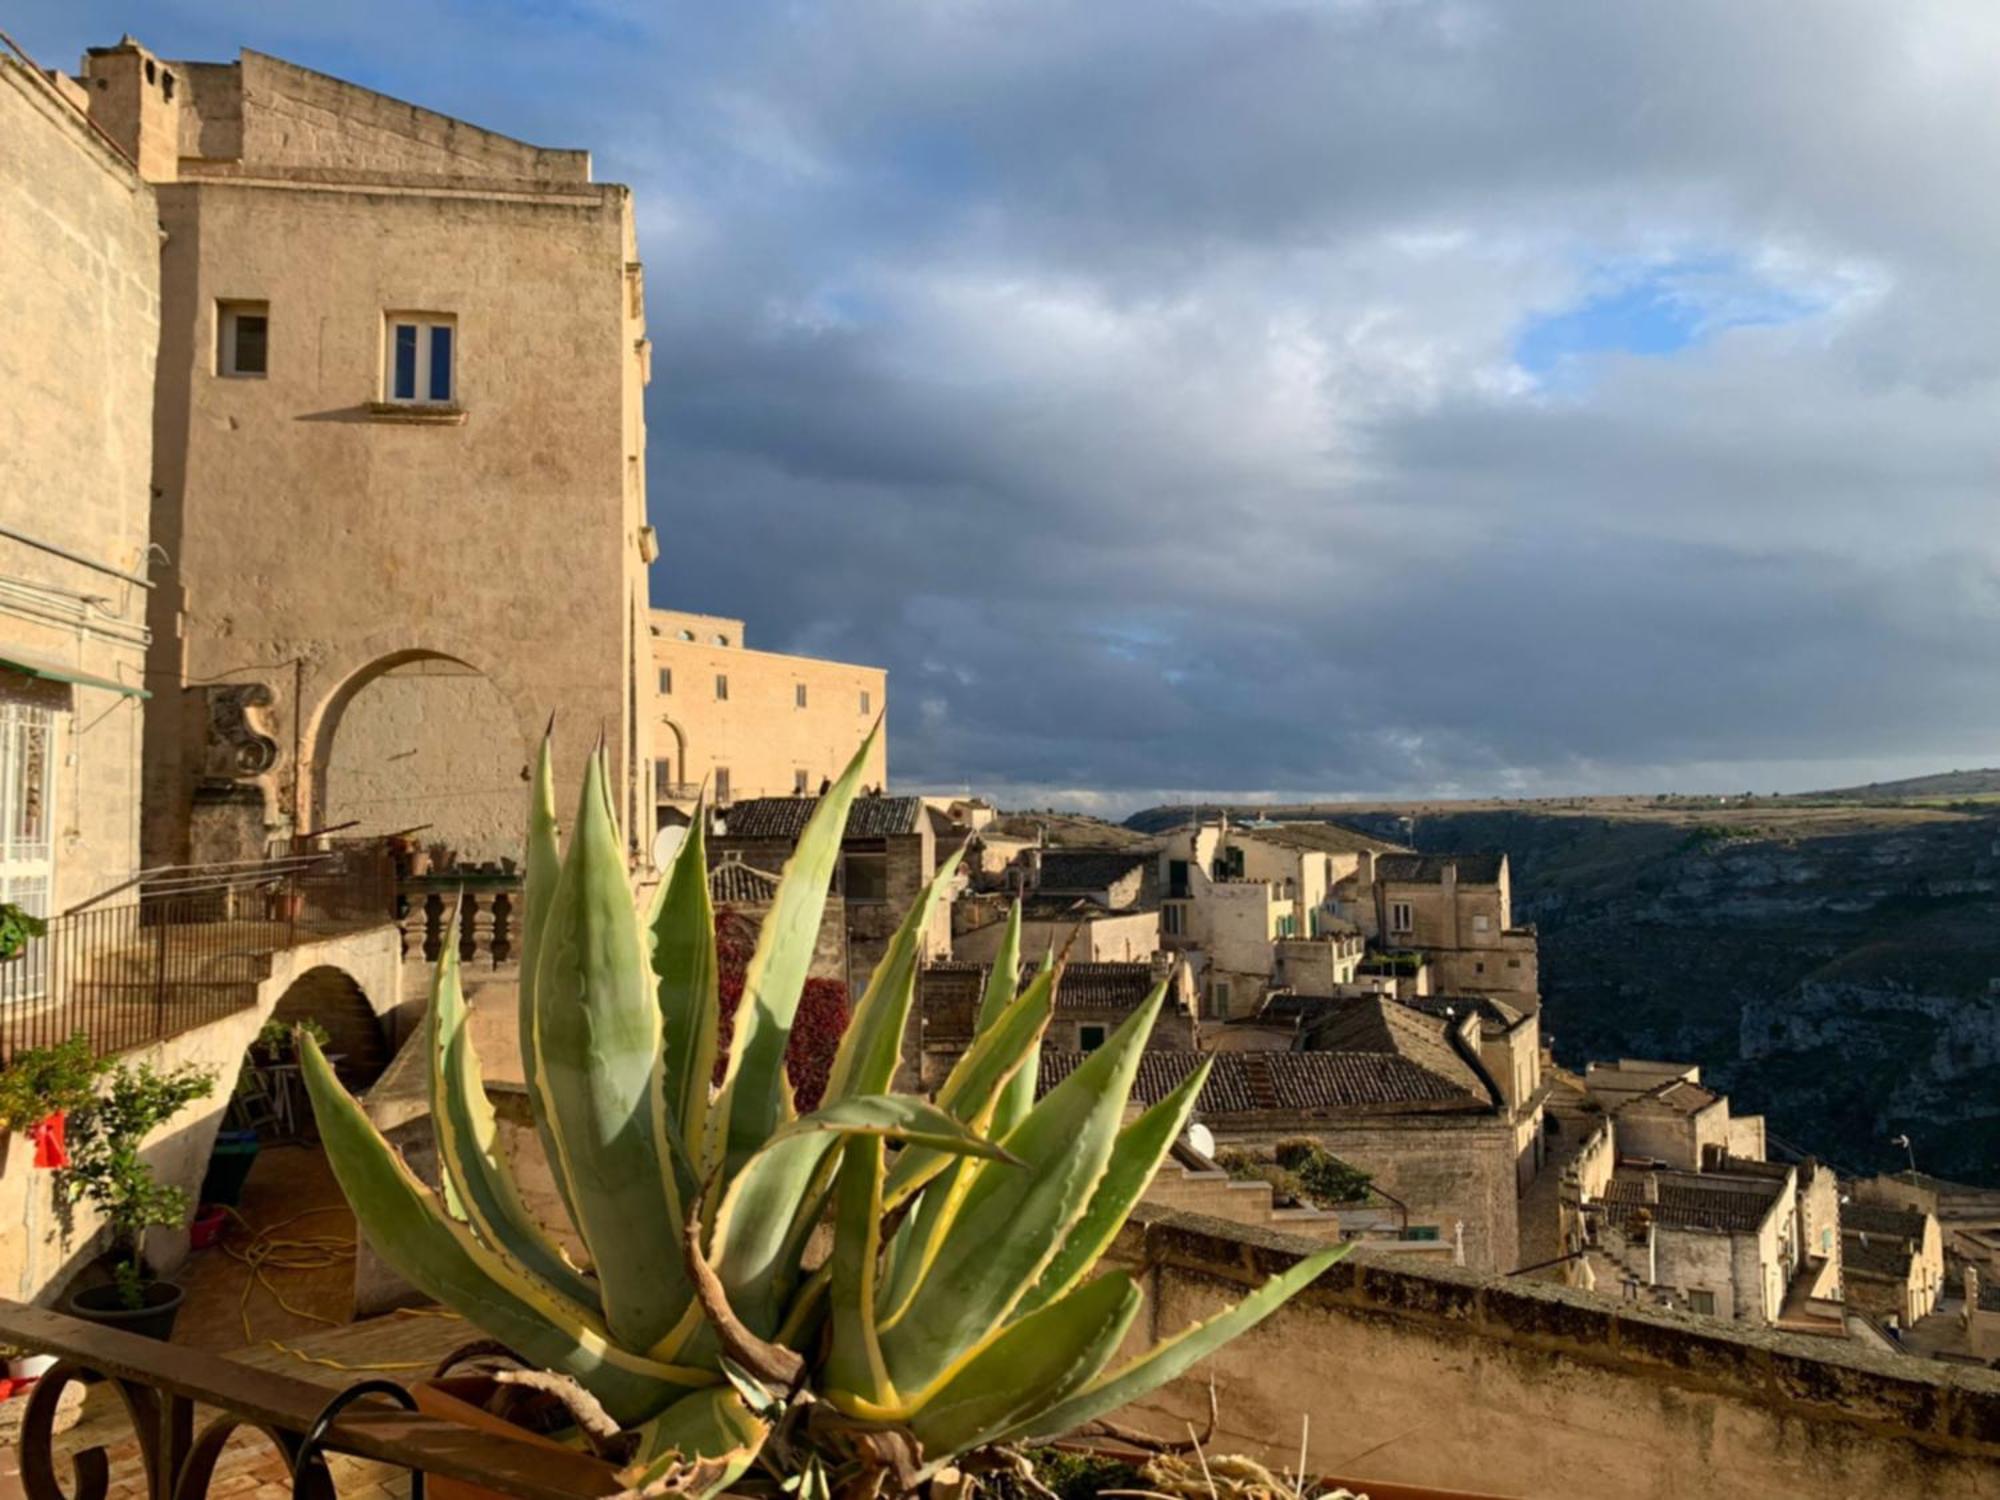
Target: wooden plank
408 1439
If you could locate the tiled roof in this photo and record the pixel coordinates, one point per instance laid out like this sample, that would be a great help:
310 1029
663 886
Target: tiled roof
943 983
1328 838
1075 909
1878 1240
733 883
1494 1015
1377 1024
1687 1201
1109 986
786 817
1089 869
1687 1098
1428 869
1251 1082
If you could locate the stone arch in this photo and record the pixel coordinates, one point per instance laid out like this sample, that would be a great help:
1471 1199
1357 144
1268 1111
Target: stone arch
421 736
355 1038
677 758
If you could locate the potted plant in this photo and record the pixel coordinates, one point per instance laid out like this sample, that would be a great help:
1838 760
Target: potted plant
959 1307
40 1088
107 1170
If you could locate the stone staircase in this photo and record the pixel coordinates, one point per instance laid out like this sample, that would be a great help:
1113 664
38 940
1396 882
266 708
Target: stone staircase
1214 1192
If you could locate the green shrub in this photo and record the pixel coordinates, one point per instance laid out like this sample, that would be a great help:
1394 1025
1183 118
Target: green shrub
38 1083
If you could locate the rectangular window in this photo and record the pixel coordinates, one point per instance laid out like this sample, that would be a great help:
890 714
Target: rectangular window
1173 920
1218 999
1480 923
798 783
798 695
1702 1302
423 359
27 838
865 877
721 688
722 783
662 774
242 339
1089 1037
1401 918
864 702
666 679
1425 1232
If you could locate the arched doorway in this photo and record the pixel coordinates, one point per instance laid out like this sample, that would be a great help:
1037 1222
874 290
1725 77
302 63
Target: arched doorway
425 739
354 1038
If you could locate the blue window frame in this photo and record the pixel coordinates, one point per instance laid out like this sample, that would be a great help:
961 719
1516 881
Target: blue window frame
406 362
440 387
423 359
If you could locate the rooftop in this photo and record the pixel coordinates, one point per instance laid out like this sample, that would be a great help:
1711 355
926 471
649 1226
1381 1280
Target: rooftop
1378 1024
1119 987
1089 869
1495 1016
1428 869
786 817
1879 1241
1693 1201
1308 1082
1328 838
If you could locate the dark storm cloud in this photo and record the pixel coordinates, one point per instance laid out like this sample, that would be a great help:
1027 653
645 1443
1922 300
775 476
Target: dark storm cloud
1365 395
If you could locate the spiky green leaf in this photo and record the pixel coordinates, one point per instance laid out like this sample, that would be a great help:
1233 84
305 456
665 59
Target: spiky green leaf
685 982
597 1034
699 1446
408 1228
1040 1361
541 868
478 1179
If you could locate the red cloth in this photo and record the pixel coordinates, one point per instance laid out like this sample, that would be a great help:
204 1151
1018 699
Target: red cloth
49 1148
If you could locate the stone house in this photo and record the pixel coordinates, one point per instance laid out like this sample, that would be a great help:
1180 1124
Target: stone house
1720 1245
1665 1115
1059 924
1092 1001
80 282
887 857
752 723
1893 1261
398 459
1457 910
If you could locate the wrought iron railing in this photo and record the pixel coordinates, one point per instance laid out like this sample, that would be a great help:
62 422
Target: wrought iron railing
176 948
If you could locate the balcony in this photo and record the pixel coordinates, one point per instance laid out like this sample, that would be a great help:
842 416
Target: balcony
180 947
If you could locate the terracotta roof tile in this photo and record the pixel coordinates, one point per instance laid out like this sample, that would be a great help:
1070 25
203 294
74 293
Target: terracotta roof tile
1428 869
786 817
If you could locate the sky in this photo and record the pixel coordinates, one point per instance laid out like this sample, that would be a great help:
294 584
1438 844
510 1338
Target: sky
1290 398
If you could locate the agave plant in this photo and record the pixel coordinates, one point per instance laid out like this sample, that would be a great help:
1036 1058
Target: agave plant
959 1307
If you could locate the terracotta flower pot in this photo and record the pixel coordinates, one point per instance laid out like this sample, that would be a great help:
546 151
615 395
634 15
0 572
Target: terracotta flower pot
463 1399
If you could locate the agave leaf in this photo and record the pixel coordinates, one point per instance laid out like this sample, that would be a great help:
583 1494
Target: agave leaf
755 1097
1003 980
872 1045
761 1226
1013 1221
978 1078
857 1379
1018 1097
408 1228
541 870
476 1175
704 1443
1164 1361
1134 1160
1040 1361
597 1033
684 970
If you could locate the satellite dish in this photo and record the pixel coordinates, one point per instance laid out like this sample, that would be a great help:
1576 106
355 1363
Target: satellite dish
666 844
1202 1139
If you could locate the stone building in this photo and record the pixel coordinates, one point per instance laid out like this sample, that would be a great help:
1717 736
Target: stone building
1893 1261
753 723
79 290
889 853
398 459
1665 1115
1457 910
1092 1001
1721 1244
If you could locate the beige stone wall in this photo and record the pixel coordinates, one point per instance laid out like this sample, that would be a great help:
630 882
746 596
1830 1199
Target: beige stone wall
79 326
38 1259
759 734
1448 1171
1429 1376
318 541
1126 938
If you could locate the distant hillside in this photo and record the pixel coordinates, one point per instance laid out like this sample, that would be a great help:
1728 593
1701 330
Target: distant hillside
1068 830
1946 785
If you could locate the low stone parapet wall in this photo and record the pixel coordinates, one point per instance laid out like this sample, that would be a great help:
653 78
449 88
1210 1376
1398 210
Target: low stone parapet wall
1510 1387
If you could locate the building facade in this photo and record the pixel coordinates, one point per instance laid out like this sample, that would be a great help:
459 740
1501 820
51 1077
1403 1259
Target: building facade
398 458
1457 910
753 723
79 299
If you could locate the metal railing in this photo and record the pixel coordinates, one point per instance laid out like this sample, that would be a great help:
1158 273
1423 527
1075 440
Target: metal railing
184 946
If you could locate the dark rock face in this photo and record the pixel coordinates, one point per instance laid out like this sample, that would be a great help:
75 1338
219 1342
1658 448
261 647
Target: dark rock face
1842 984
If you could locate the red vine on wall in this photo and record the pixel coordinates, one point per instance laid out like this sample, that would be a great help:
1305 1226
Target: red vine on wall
816 1030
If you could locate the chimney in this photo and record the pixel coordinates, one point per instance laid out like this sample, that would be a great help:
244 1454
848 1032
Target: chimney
1652 1187
137 100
